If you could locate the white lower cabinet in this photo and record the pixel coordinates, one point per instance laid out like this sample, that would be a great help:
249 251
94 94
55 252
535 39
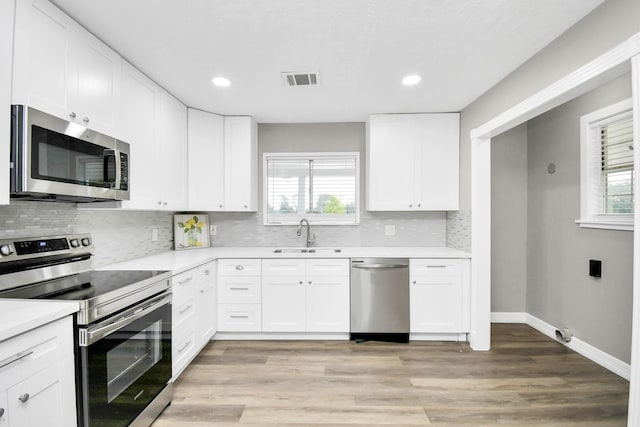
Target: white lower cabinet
240 295
439 290
37 381
305 295
193 314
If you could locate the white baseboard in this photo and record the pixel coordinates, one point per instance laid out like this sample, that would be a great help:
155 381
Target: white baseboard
508 317
598 356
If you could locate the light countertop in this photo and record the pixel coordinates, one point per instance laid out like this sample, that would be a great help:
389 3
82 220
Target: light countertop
179 261
18 316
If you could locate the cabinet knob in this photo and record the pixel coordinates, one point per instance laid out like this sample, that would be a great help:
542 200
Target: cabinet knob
86 120
245 206
164 203
300 282
309 281
418 204
24 398
410 206
239 267
220 206
72 115
159 202
414 282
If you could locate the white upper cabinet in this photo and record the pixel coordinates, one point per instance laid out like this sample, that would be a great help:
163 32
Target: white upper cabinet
223 162
139 118
62 69
206 161
171 166
7 9
241 164
413 162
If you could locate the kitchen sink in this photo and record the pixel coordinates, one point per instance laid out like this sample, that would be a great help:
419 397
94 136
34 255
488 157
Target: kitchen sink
307 251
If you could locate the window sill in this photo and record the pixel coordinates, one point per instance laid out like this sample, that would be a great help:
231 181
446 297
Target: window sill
620 224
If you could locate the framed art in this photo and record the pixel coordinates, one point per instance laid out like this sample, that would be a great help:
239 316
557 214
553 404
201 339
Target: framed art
190 231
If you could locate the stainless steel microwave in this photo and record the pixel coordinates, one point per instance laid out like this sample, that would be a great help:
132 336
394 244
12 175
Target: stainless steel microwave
57 160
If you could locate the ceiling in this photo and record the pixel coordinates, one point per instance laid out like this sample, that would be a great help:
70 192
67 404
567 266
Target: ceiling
360 48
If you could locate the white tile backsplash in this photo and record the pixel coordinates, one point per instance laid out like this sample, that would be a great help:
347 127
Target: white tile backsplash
117 235
459 230
123 235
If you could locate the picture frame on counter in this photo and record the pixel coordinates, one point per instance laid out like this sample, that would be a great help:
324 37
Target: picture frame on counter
191 231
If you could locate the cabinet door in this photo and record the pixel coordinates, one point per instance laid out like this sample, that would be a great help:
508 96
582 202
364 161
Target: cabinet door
171 167
390 154
206 161
139 106
41 57
327 304
283 304
94 80
7 12
206 305
241 167
37 401
437 162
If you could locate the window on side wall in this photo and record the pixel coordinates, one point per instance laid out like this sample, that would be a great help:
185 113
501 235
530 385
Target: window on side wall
321 187
607 168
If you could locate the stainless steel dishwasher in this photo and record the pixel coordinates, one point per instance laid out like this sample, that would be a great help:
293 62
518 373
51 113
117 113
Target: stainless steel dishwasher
380 299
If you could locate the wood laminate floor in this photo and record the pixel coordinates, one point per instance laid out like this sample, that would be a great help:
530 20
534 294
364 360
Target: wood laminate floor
526 379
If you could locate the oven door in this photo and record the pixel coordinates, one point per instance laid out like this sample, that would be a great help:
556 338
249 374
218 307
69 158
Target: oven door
125 362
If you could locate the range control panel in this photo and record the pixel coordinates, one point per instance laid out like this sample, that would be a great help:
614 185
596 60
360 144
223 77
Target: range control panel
14 249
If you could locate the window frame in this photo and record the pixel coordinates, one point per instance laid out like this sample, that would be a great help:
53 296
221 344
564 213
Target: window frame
314 219
590 217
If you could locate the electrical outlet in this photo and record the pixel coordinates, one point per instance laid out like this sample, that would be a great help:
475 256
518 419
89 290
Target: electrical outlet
389 230
154 235
213 229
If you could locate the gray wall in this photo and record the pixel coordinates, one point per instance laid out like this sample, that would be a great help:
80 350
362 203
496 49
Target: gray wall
559 288
509 221
607 26
412 228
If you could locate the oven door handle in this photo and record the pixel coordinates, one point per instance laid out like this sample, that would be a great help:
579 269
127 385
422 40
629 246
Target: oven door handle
97 332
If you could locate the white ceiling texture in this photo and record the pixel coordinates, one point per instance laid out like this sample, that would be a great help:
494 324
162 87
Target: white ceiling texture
360 48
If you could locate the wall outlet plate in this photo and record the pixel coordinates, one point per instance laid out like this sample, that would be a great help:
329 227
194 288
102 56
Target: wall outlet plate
595 268
213 229
154 234
389 230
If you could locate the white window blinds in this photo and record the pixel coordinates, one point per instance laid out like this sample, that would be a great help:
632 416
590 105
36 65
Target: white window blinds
616 164
322 187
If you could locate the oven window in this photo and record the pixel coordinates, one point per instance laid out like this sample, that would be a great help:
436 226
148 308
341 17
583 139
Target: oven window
133 358
61 158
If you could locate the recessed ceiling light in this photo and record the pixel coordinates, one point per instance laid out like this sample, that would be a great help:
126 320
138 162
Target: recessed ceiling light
411 80
221 81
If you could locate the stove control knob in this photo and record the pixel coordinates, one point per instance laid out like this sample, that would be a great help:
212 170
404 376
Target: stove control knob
6 250
86 241
74 243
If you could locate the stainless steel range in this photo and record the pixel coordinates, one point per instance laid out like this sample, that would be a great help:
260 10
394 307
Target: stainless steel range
123 327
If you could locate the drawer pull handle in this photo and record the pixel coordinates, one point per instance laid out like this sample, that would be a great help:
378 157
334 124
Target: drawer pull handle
436 266
24 398
184 310
187 280
239 317
239 267
184 347
239 289
14 359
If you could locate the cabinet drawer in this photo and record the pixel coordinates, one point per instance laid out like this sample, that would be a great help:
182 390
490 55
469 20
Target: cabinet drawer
183 347
239 267
239 290
183 312
283 267
239 317
327 267
435 266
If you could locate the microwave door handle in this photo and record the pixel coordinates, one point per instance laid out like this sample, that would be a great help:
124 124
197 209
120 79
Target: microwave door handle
117 163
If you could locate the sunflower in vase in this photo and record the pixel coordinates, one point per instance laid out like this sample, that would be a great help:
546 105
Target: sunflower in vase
192 229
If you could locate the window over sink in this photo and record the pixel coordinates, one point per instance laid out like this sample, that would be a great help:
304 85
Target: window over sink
321 187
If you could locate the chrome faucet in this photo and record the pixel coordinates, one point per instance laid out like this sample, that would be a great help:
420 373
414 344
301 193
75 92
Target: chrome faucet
310 238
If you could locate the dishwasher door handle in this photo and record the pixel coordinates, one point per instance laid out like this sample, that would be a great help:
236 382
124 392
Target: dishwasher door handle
378 266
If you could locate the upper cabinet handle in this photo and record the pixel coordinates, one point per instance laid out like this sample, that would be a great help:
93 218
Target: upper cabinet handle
239 267
72 115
